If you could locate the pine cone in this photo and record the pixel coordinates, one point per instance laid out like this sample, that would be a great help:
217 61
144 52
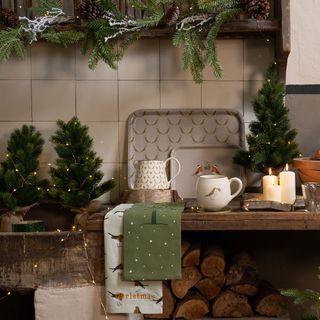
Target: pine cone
257 9
89 10
9 18
172 15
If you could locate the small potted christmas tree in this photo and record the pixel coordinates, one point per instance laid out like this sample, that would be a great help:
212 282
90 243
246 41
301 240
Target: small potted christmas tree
76 178
20 187
271 140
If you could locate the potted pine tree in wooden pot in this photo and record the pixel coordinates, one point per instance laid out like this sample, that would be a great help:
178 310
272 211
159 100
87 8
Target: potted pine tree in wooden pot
76 178
20 186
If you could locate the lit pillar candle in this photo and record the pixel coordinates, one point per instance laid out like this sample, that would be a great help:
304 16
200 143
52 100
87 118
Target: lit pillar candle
273 193
269 181
288 186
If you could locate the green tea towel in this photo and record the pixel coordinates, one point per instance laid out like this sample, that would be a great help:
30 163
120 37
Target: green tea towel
152 242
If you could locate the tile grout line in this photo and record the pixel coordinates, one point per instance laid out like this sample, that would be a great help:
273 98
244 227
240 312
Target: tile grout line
159 51
243 62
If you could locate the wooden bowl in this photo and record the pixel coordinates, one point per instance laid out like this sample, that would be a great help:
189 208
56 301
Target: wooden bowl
308 169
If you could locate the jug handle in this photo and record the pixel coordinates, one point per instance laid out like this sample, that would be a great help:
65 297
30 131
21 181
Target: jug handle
179 168
239 182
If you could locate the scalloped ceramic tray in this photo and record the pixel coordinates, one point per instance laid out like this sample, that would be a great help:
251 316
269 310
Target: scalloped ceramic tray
154 134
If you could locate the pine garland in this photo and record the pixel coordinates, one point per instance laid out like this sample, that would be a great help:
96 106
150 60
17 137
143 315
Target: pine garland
105 37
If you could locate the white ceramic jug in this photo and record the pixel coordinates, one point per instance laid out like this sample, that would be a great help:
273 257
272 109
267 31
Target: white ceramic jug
214 192
151 174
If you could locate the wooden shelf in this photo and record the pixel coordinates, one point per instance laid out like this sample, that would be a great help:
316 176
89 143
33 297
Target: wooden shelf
237 221
235 28
206 221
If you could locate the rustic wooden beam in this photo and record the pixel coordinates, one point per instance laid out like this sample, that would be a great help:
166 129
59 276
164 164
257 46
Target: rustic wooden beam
29 260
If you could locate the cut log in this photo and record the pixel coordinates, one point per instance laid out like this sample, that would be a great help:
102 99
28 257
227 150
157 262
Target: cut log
185 245
242 275
192 256
193 306
213 263
190 276
168 304
231 304
209 288
268 301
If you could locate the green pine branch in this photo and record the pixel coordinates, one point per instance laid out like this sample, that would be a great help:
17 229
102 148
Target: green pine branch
63 38
43 6
12 41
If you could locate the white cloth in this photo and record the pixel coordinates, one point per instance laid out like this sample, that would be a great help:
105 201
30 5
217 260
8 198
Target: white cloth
125 296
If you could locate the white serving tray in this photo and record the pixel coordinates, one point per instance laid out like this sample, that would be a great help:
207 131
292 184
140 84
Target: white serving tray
154 134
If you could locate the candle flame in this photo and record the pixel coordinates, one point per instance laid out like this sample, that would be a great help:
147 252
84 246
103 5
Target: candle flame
270 171
287 167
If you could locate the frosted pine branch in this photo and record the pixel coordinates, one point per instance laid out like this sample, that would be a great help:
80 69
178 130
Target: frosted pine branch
193 22
126 25
40 24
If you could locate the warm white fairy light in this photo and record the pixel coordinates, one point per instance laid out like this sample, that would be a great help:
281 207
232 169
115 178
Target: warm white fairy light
85 244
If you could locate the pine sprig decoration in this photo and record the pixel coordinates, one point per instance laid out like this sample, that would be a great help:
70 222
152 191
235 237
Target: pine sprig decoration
19 182
271 140
43 6
198 34
76 178
63 38
12 41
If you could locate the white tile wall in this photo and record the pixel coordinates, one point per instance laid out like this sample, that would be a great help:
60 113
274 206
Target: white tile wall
55 83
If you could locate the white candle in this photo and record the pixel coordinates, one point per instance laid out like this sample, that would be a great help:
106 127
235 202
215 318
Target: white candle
288 186
273 193
267 181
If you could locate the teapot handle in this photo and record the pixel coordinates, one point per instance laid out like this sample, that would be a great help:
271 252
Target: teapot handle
240 185
179 168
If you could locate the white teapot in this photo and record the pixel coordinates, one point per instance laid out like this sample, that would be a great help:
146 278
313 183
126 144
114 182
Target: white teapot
214 192
151 174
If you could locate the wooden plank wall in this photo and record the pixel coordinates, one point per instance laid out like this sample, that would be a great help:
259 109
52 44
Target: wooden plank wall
23 7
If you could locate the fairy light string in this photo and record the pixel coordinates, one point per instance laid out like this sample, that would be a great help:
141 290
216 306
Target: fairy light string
49 253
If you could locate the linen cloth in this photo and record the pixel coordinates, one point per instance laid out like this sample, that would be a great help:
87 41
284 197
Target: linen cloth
124 296
152 241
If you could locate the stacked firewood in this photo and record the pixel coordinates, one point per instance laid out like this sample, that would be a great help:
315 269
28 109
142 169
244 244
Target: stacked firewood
210 286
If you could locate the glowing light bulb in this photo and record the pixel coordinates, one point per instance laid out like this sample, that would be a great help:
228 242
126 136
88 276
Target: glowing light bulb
35 266
17 170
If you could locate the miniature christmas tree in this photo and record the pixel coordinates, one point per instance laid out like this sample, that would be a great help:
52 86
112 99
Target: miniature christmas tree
271 140
76 176
20 187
